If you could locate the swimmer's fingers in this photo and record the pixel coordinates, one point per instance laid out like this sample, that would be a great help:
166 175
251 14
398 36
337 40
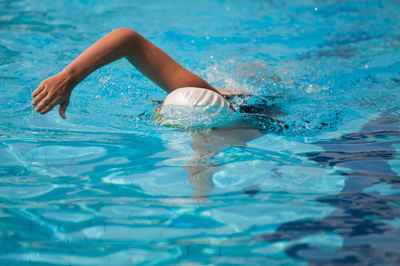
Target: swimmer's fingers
48 104
38 90
39 97
62 109
49 99
51 92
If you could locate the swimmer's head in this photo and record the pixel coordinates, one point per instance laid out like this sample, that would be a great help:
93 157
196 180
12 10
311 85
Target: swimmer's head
191 96
191 106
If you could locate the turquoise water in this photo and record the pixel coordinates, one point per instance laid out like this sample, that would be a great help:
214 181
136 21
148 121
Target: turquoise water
111 186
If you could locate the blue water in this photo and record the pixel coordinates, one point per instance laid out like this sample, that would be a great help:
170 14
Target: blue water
110 186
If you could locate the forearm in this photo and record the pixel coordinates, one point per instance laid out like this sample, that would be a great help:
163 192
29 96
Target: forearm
111 47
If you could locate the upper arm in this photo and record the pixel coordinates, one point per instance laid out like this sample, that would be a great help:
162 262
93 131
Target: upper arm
160 67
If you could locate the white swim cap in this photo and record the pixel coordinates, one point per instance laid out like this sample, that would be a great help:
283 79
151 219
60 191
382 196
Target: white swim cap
191 106
195 96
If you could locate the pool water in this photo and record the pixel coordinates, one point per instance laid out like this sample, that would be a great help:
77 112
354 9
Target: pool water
111 186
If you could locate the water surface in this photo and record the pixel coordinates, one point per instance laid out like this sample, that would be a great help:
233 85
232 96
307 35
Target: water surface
109 185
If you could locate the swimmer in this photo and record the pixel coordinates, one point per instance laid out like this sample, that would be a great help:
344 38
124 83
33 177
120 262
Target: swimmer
141 53
167 74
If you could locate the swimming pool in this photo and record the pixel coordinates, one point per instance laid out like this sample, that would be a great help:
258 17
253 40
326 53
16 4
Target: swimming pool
111 186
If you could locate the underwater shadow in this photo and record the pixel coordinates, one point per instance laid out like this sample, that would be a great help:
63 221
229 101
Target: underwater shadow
363 217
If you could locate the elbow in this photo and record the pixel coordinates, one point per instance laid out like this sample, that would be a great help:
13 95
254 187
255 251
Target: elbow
128 38
126 33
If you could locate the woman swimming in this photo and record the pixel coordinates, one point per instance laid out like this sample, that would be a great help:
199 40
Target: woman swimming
185 87
144 55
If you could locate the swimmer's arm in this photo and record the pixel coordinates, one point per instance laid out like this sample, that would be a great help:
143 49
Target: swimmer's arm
145 56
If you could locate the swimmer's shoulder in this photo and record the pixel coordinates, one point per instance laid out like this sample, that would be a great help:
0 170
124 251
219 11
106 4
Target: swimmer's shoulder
230 93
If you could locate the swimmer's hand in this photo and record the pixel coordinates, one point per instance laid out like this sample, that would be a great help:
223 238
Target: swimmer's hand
51 92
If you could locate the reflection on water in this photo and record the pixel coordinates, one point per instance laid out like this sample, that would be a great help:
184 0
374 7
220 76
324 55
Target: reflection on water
364 217
206 144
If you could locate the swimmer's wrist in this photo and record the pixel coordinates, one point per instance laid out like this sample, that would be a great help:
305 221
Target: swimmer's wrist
72 77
